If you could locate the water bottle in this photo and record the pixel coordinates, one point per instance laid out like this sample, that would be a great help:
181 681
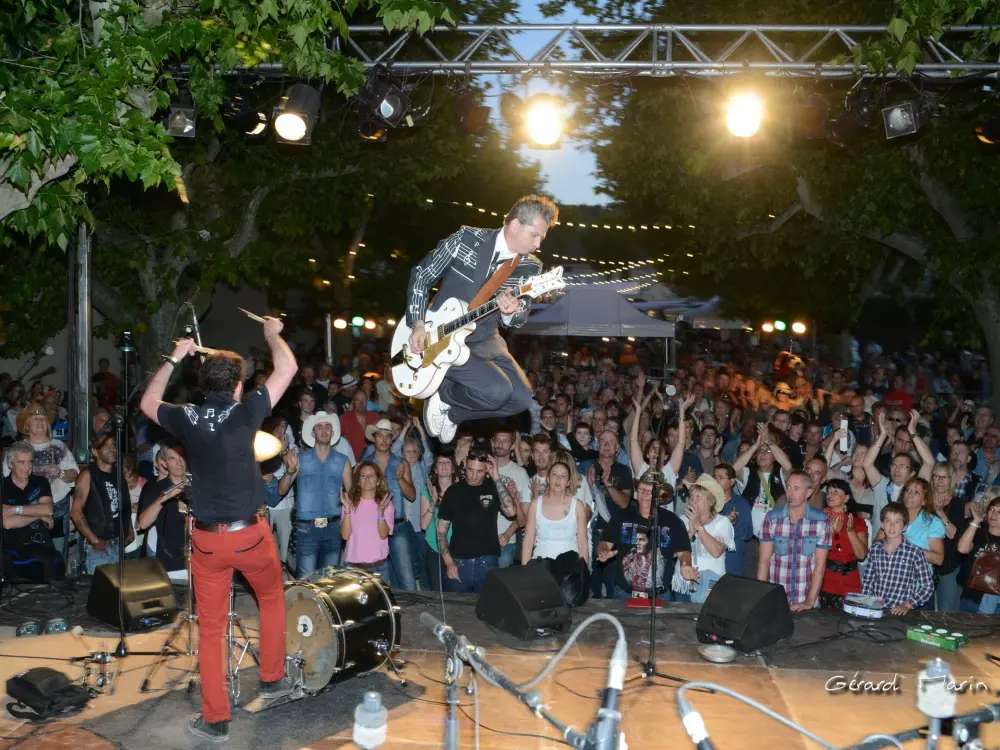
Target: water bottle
370 719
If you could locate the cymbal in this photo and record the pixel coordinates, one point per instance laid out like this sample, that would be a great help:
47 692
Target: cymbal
265 446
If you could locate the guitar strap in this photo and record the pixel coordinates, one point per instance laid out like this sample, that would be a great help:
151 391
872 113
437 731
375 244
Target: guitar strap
495 282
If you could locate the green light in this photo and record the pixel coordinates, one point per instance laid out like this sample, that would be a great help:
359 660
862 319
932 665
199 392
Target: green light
779 325
357 320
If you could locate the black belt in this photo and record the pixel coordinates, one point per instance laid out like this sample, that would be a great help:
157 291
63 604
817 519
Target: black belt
331 519
234 526
842 567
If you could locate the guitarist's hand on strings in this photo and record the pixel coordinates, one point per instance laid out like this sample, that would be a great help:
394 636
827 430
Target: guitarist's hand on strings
507 303
418 337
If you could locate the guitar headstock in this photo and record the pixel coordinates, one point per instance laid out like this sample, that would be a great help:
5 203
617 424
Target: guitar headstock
550 281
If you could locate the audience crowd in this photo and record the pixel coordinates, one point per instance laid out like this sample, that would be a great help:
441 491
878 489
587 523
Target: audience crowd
880 479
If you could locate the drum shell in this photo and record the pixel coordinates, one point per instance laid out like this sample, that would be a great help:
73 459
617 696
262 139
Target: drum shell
353 612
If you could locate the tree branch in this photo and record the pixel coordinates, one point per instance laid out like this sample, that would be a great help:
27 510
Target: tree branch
13 199
247 230
772 226
326 174
105 298
942 200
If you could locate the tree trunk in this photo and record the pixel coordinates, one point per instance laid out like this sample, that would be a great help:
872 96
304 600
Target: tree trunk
986 306
840 348
158 337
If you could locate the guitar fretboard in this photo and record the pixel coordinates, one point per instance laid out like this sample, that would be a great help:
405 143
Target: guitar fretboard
478 313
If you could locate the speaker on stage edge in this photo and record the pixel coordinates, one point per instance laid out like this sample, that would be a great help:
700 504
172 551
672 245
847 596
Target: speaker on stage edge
147 596
745 613
524 601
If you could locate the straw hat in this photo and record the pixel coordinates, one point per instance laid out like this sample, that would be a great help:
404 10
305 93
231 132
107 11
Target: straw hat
33 410
707 482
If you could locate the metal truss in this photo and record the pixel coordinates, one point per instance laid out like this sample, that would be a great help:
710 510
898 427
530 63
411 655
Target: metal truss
658 50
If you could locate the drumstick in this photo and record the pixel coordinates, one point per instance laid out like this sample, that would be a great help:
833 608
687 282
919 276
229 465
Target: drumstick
251 315
206 350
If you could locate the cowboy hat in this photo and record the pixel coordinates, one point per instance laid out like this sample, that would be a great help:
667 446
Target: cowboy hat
318 418
707 482
32 411
348 381
383 425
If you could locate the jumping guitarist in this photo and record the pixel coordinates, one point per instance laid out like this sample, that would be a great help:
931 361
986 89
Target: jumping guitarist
470 263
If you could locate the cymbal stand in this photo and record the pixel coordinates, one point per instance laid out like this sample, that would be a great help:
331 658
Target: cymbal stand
234 661
186 618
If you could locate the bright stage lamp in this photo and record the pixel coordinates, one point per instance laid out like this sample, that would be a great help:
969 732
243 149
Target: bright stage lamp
779 325
767 328
743 114
297 115
370 325
340 324
265 446
357 320
799 328
543 120
391 322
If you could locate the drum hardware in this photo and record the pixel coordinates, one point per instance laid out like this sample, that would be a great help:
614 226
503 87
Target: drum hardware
186 618
397 666
242 647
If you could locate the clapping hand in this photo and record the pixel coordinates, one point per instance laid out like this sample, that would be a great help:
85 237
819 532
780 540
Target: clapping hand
837 522
384 503
399 471
291 461
977 512
605 551
914 421
345 503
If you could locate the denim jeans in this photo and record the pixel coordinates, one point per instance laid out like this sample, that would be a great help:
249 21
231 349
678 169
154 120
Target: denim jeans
949 592
95 558
989 604
507 555
315 548
401 543
432 567
471 573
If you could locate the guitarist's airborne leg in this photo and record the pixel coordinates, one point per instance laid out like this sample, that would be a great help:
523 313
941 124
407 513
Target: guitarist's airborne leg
473 265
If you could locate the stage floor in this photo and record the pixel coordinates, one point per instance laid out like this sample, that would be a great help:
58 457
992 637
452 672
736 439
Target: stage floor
791 678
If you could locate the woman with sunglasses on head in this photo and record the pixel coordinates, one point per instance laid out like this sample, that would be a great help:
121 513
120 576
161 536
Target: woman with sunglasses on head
951 510
849 546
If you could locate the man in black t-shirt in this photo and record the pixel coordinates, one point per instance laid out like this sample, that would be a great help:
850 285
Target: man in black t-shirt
163 503
226 493
472 507
627 540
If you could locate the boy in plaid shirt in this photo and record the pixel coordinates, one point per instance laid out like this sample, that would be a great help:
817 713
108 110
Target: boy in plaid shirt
897 571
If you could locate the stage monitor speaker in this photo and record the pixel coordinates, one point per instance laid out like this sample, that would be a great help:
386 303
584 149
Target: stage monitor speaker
147 596
744 613
522 601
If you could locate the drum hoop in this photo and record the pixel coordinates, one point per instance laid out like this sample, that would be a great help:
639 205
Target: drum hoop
392 615
337 627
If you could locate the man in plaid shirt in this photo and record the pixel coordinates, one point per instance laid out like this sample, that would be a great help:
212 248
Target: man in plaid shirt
897 571
794 542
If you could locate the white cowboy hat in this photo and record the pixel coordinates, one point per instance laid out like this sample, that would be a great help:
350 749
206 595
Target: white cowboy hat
383 425
314 419
348 381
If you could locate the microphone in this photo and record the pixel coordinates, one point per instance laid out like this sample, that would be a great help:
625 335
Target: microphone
441 631
604 732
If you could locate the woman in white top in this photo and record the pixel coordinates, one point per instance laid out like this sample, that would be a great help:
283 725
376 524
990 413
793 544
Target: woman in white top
711 534
556 521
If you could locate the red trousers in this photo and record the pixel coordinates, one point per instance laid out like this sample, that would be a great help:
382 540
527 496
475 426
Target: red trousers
215 556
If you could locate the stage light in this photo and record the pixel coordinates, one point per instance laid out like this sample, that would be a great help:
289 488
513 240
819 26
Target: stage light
181 120
382 100
859 111
989 131
471 113
543 120
779 325
798 328
370 325
904 118
358 321
297 114
371 132
743 114
391 322
631 338
249 119
767 328
340 324
605 338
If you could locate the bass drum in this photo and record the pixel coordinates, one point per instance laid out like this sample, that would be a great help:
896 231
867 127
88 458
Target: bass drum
342 623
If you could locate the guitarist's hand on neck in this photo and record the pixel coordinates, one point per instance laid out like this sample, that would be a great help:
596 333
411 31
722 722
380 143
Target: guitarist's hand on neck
507 303
418 337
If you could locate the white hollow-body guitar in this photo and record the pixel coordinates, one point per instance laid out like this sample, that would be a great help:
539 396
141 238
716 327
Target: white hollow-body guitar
420 375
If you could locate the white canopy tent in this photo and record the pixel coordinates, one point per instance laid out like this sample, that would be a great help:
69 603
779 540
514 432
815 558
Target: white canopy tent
597 310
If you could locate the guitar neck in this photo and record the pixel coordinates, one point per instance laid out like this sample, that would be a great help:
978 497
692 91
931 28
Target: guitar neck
473 315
